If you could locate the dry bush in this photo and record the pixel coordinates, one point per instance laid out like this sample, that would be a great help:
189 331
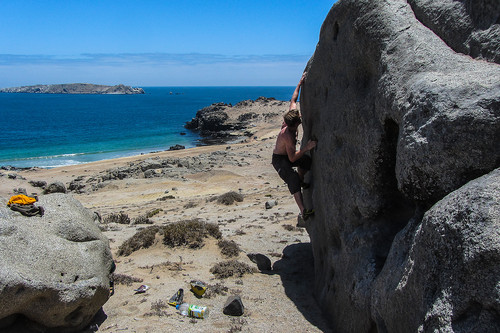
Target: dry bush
158 309
153 212
289 227
237 325
142 219
191 204
229 198
120 218
190 233
141 240
229 268
229 248
215 289
124 279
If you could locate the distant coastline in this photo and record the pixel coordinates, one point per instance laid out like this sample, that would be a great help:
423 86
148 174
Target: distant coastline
75 88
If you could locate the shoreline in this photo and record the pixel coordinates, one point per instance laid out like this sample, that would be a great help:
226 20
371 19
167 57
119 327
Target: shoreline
182 185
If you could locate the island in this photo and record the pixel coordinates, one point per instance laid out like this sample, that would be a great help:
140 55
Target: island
75 88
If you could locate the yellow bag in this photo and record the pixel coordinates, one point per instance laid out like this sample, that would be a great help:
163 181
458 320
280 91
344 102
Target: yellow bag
21 199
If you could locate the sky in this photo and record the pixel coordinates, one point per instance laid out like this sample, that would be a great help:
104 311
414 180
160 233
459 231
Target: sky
158 42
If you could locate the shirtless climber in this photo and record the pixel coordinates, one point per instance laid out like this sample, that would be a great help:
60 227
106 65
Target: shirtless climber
285 155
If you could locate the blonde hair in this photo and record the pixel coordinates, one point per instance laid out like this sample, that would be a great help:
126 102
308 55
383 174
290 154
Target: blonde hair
292 118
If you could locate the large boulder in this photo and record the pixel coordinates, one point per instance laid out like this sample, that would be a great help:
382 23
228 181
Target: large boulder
446 268
403 120
55 269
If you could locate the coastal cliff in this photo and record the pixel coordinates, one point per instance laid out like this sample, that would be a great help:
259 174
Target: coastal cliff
404 99
75 88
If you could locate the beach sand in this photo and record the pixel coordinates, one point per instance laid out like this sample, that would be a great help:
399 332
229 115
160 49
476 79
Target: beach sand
279 300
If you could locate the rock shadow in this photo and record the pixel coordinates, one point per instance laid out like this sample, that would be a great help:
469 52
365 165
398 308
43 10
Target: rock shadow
296 269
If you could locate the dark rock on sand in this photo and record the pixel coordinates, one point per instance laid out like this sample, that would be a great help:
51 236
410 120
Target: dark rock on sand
405 117
56 187
233 306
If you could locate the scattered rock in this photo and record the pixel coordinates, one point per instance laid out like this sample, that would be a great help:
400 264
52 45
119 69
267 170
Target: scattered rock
271 203
234 306
38 183
262 261
177 147
56 187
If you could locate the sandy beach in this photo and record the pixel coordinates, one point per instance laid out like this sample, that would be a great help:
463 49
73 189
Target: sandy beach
275 300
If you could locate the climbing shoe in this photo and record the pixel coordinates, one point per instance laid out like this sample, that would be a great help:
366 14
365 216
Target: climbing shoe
307 213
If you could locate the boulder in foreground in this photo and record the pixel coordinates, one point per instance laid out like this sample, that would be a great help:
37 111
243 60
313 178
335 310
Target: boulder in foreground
55 269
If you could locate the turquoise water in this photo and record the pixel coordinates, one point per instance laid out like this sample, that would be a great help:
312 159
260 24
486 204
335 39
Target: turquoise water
50 130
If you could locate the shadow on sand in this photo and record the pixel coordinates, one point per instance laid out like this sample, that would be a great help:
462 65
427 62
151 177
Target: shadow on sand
296 269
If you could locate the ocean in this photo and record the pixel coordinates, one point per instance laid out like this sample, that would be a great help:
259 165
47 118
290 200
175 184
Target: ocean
51 130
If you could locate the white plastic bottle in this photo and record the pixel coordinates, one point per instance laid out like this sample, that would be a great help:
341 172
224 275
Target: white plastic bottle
183 308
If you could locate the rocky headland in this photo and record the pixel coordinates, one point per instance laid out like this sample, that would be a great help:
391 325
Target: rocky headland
222 123
75 88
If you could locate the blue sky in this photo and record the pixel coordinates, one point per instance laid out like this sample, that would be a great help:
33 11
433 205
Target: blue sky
158 43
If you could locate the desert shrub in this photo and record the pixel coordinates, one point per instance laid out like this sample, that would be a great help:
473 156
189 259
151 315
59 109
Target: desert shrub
120 218
229 268
228 248
158 309
289 227
237 325
153 212
124 279
190 233
215 289
229 198
141 240
190 205
142 219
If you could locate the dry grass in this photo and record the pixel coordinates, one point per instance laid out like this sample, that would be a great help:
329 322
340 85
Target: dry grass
189 233
124 279
230 268
141 240
229 198
158 309
120 218
229 248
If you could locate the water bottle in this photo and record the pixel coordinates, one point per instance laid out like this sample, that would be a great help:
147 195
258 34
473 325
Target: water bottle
192 310
183 308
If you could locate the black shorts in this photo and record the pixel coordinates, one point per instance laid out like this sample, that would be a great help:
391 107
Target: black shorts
285 170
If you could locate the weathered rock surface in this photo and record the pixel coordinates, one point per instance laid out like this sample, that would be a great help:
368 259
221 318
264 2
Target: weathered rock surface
403 120
220 122
449 263
54 269
75 88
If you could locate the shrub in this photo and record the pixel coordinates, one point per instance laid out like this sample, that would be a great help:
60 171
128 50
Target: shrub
120 218
190 233
153 212
228 248
229 268
124 279
142 219
229 198
158 309
141 240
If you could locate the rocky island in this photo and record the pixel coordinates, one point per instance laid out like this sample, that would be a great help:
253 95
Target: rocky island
75 88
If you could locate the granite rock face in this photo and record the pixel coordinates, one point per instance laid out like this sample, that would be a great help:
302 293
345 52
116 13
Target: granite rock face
403 120
75 88
55 269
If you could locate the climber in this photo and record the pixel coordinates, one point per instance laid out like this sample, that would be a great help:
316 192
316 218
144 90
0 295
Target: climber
285 155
